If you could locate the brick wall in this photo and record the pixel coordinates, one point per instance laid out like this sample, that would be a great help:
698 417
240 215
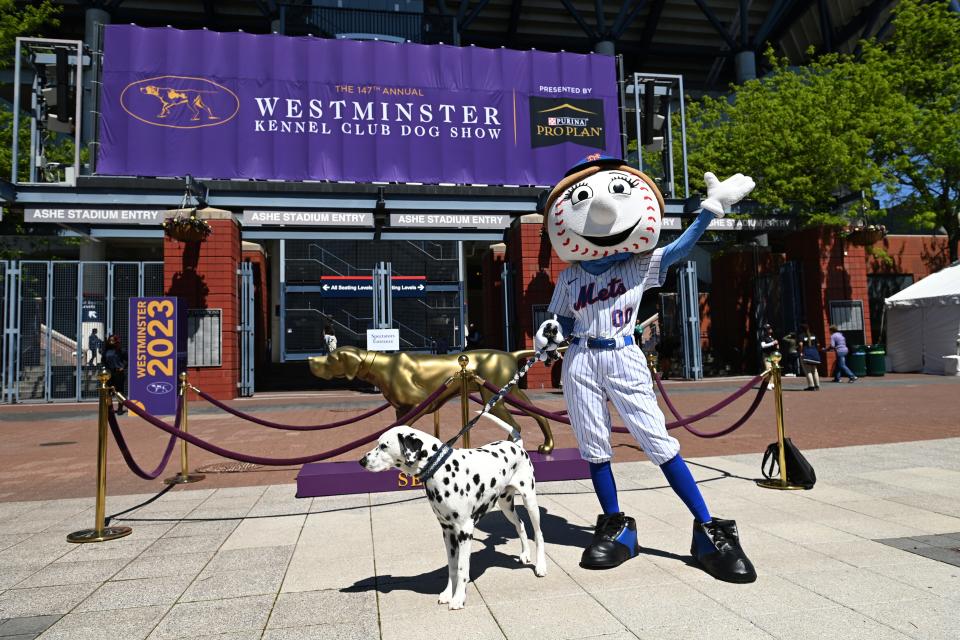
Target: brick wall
916 255
833 269
536 268
204 276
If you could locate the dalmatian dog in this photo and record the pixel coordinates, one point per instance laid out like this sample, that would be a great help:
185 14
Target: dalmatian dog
468 484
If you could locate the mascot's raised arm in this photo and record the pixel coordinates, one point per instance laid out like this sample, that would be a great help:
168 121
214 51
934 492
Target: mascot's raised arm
604 218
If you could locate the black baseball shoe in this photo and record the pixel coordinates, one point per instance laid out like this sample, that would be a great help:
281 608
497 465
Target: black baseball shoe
614 542
716 546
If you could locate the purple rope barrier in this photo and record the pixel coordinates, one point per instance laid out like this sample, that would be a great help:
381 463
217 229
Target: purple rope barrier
685 422
736 425
666 398
128 455
681 422
529 407
287 427
277 462
513 412
480 401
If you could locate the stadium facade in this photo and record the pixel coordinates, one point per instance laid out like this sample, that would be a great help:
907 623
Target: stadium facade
372 164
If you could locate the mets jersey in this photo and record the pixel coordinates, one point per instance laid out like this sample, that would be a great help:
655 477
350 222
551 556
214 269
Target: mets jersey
605 305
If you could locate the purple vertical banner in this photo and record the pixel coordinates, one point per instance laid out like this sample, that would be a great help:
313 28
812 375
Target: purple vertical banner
157 353
239 105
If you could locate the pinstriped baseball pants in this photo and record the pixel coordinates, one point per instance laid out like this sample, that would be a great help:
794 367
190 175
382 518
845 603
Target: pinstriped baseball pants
590 377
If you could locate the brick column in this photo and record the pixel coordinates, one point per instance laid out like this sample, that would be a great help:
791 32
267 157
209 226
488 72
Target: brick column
204 276
536 268
833 269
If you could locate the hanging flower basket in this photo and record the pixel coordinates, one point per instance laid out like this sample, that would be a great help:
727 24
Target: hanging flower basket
187 228
867 235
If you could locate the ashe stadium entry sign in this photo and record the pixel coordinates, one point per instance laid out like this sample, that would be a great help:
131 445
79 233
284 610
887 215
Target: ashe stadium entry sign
238 105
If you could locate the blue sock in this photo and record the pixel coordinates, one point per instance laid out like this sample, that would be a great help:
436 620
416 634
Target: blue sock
605 486
683 484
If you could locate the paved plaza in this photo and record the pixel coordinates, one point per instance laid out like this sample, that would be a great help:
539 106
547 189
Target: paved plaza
871 552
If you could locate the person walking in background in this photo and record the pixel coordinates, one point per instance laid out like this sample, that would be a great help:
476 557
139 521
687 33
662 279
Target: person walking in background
810 355
329 338
115 362
768 344
94 345
791 355
838 343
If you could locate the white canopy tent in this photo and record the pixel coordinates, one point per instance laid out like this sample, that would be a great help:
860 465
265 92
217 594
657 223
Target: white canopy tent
923 323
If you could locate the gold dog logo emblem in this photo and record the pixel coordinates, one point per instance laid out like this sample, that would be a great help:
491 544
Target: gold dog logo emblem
179 102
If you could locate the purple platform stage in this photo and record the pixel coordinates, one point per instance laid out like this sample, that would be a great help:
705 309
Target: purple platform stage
339 478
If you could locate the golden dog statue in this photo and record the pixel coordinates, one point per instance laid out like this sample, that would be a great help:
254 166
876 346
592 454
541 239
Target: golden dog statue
407 379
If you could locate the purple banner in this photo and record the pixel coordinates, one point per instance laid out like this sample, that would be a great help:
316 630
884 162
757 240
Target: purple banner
237 105
157 353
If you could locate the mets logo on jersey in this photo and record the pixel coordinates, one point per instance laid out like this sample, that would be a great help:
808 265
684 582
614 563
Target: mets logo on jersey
179 102
586 297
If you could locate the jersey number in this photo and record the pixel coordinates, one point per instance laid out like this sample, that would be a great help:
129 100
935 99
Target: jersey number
620 317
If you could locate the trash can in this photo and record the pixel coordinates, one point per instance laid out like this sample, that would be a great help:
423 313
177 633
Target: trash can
951 365
876 360
857 360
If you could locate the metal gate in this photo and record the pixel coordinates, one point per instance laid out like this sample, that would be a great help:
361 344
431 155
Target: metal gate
778 301
11 328
56 315
245 328
690 321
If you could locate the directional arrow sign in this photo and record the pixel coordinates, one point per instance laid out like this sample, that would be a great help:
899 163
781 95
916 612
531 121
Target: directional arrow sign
362 286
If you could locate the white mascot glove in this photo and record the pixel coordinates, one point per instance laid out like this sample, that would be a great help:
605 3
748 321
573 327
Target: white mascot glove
549 336
721 195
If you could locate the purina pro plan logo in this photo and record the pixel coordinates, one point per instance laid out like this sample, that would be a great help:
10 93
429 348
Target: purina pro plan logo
556 120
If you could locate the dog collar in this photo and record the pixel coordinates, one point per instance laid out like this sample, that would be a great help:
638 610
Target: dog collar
434 463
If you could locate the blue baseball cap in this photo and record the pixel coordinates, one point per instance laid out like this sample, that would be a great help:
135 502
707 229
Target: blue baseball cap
594 160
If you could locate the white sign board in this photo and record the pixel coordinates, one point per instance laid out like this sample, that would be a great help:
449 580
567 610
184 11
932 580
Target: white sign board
451 220
103 215
383 339
732 224
251 218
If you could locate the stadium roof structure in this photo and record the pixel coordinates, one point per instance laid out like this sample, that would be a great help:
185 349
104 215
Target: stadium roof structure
696 38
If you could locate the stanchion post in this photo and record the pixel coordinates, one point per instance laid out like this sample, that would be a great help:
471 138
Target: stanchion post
101 532
776 378
184 477
465 378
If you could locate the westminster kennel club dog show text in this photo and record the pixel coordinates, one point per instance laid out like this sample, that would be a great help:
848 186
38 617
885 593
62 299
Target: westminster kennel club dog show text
347 110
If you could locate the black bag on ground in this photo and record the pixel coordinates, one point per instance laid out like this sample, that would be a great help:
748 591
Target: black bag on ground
799 470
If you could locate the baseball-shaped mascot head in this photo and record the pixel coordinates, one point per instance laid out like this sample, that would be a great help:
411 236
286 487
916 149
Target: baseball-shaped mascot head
603 207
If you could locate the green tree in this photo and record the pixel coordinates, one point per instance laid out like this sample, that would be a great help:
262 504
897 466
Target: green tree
884 123
924 53
31 20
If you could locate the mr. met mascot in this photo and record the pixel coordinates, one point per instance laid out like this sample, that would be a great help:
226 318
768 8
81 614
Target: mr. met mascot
604 219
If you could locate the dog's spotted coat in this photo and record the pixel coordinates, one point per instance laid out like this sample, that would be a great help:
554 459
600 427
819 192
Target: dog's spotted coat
467 486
